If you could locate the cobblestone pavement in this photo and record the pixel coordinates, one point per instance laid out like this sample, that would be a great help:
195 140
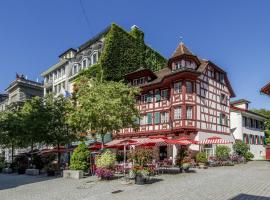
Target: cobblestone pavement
242 182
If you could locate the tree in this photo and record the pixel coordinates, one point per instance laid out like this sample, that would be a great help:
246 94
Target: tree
79 158
58 130
240 148
104 107
35 122
11 129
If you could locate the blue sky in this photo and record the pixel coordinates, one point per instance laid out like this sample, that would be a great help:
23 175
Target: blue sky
233 34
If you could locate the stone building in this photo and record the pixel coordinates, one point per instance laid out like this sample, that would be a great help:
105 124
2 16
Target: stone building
17 93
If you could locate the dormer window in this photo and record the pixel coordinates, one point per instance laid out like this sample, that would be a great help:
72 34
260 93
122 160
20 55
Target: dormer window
138 81
184 64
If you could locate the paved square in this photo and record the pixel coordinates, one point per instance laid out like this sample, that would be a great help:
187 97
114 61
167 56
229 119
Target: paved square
241 182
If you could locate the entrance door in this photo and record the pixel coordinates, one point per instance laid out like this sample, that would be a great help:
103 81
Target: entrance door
162 152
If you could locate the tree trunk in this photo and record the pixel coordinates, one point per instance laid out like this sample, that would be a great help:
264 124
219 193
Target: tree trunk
102 139
32 148
12 152
58 156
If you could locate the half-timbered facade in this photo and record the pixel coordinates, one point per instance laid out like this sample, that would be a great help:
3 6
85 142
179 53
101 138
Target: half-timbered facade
188 97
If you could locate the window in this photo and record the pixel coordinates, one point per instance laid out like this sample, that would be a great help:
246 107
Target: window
223 99
223 119
149 118
164 94
244 121
177 87
94 58
189 87
177 65
84 63
164 117
142 80
157 117
157 95
135 82
221 78
177 113
75 69
143 120
144 98
149 98
189 112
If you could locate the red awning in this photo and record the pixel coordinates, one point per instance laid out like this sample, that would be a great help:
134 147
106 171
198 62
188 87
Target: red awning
214 140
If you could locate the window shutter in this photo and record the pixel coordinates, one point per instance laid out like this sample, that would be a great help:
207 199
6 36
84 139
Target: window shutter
157 117
149 118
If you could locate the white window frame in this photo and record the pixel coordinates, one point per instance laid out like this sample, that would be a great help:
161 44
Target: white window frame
95 53
86 61
178 113
189 113
164 117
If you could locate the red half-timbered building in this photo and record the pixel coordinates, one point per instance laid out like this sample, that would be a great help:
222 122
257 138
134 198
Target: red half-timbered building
190 96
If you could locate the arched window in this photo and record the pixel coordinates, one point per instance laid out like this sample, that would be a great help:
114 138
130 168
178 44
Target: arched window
84 63
75 69
94 58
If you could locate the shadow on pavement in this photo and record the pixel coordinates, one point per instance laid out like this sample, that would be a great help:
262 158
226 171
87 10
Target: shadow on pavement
249 197
8 181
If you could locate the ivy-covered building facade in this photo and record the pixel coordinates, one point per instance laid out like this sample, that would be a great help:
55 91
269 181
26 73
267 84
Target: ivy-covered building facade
188 97
114 50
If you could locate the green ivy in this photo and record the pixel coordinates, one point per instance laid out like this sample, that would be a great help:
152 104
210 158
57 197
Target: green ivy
125 52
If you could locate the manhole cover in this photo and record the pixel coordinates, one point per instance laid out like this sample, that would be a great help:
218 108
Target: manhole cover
117 191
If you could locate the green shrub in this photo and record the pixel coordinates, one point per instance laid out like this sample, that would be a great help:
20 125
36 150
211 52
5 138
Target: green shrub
222 152
79 158
201 157
106 160
248 156
240 148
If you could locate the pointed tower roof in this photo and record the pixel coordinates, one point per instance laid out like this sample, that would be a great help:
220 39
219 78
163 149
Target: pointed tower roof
180 50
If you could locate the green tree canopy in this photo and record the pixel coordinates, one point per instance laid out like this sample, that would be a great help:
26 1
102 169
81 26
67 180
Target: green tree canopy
104 107
11 129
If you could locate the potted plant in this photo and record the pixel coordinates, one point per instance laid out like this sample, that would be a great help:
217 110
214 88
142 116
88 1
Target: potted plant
141 174
201 159
79 162
186 163
140 171
105 163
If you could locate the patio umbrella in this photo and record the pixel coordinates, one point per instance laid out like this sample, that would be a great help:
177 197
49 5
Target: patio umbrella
124 144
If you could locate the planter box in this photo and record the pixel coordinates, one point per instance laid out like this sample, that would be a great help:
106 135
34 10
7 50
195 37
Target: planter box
7 170
73 174
32 172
